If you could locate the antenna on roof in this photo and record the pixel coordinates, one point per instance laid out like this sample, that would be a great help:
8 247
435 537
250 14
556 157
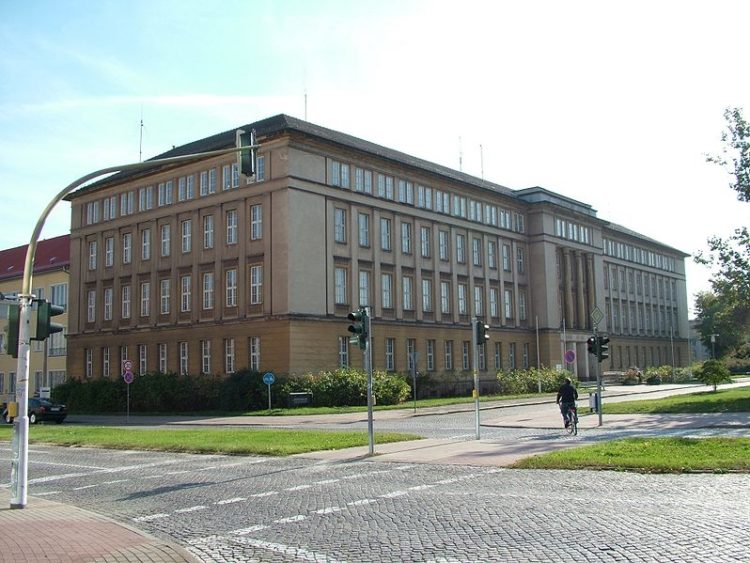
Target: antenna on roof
460 156
481 159
140 143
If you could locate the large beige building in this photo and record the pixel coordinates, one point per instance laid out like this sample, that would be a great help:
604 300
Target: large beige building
50 279
197 269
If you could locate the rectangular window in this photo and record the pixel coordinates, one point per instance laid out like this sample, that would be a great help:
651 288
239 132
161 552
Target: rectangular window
408 292
254 353
145 299
166 236
108 296
430 355
208 290
256 285
406 238
340 290
185 291
145 244
462 296
205 357
343 345
424 239
231 288
183 358
426 295
162 347
339 225
460 249
478 300
445 297
390 351
498 356
89 364
208 231
506 257
520 260
226 177
91 306
476 251
448 354
385 234
125 299
260 168
187 235
212 181
512 355
229 355
92 255
492 254
109 252
494 312
363 220
411 352
164 296
59 294
106 363
364 287
465 355
110 208
508 304
142 359
256 222
521 305
232 226
444 246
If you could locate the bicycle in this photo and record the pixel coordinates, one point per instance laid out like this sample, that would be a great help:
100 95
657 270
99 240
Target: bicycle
571 419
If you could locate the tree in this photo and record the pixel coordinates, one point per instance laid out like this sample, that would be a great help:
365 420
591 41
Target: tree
730 304
713 372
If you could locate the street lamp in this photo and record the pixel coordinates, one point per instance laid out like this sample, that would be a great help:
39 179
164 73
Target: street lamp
19 474
713 346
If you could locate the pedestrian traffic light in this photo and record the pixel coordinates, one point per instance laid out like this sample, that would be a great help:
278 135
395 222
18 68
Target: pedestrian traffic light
44 325
246 158
480 332
11 346
602 350
591 345
358 328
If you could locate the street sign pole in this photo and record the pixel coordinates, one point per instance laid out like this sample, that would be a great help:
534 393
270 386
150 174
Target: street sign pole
368 363
475 370
596 317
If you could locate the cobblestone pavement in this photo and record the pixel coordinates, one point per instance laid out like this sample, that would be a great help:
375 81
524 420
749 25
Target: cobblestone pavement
224 508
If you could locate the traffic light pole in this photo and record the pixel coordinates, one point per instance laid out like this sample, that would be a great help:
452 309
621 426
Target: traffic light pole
368 365
598 368
19 474
475 370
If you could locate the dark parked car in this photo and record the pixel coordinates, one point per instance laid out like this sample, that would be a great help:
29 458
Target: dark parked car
41 410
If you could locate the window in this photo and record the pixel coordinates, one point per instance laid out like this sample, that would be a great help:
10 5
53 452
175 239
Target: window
164 297
476 251
89 363
187 235
92 212
145 244
385 234
498 356
364 287
478 300
91 306
142 359
226 177
363 180
212 181
460 250
92 255
493 303
231 288
106 370
340 286
426 295
183 358
448 354
385 186
406 238
208 231
256 222
390 360
339 225
166 193
408 292
110 208
232 226
260 168
185 188
204 183
462 290
512 355
444 245
59 294
256 285
445 297
465 355
506 257
108 294
254 352
205 357
411 350
229 355
146 198
208 290
430 355
127 203
492 254
387 289
145 299
166 239
520 260
363 220
185 291
508 304
127 245
522 305
405 192
343 345
162 348
109 252
424 239
125 300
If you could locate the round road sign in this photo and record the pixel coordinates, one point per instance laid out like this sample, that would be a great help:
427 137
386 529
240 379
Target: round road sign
269 378
127 365
128 377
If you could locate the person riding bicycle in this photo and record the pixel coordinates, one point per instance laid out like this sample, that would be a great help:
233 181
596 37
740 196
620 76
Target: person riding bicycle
566 398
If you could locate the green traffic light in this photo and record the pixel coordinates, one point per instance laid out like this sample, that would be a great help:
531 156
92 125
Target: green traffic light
44 325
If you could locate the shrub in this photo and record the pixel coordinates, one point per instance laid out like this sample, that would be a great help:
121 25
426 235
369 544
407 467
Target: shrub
713 372
519 382
348 387
738 365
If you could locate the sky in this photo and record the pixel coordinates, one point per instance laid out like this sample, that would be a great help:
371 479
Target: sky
615 104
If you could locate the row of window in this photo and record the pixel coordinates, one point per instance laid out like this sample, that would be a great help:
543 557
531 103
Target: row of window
165 238
403 191
572 231
638 255
629 317
165 296
56 377
425 242
639 283
409 296
165 192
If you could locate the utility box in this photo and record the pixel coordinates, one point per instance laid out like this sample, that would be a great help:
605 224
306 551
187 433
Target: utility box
594 402
300 399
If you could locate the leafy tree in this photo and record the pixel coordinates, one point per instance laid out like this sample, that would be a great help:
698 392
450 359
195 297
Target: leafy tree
727 310
713 372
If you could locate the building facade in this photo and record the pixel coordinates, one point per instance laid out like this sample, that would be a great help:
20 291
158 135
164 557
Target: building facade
51 278
197 269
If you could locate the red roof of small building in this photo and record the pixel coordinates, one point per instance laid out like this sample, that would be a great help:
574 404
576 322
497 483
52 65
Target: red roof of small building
51 254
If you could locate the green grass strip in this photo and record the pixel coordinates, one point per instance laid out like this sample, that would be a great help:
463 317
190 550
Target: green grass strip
234 441
724 400
651 455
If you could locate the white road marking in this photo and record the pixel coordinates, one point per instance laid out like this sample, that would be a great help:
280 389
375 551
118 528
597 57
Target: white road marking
231 500
299 488
150 517
190 509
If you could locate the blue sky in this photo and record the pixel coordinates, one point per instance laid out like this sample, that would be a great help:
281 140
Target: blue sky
614 104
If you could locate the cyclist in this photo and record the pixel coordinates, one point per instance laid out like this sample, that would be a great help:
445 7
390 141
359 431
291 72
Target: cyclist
566 398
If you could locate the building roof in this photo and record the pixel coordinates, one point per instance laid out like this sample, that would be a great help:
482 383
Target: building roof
51 254
284 123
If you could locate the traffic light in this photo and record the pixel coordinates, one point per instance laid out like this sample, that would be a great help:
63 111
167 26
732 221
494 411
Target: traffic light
602 350
480 331
246 158
44 325
358 328
13 321
591 345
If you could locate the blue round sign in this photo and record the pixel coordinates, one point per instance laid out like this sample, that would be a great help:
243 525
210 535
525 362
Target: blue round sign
269 378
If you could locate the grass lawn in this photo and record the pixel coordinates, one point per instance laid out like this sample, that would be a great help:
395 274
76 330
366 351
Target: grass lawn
651 455
207 441
723 400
